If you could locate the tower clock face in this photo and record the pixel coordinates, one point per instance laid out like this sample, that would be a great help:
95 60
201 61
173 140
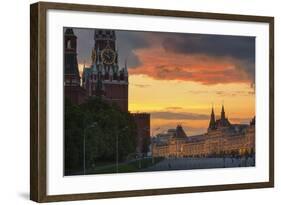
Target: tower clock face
108 56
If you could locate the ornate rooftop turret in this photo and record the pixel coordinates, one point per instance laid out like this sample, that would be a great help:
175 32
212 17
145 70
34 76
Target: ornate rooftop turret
125 68
222 113
180 132
253 121
223 122
212 124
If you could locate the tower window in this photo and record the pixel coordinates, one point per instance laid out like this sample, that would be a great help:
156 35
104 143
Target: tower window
68 45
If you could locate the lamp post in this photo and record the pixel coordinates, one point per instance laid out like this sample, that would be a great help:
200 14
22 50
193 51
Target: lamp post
84 145
117 152
117 148
144 146
140 153
139 159
152 157
177 147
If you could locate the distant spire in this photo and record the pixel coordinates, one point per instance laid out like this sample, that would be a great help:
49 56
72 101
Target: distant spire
222 113
125 68
253 121
212 124
126 62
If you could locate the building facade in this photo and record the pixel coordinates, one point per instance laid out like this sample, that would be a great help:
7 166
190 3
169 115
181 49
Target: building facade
221 138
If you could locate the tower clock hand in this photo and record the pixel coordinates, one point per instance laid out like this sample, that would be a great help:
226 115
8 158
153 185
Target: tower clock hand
107 55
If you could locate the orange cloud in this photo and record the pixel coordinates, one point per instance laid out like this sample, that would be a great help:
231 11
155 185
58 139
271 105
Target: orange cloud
162 65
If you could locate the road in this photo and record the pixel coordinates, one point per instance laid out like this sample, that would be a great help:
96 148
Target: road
200 163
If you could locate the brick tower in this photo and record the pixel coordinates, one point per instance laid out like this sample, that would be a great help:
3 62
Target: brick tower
105 78
73 91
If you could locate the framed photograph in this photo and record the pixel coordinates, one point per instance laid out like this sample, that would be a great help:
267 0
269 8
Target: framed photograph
135 102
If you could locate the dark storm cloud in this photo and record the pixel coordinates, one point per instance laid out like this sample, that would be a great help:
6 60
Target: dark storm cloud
237 47
127 42
213 45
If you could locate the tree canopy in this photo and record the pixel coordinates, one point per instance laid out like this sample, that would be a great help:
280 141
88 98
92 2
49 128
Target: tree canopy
103 125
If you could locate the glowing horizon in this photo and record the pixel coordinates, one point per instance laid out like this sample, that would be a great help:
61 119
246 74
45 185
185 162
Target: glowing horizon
177 77
177 97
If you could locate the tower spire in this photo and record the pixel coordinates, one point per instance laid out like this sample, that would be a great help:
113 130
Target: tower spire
212 124
126 71
222 113
125 68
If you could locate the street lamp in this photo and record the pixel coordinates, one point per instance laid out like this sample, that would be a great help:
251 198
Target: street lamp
152 157
117 141
84 145
146 129
141 150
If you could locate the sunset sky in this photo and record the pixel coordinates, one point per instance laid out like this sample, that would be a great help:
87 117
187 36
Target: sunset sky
177 77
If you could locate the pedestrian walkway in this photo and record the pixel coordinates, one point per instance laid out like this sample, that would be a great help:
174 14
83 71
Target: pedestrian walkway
200 163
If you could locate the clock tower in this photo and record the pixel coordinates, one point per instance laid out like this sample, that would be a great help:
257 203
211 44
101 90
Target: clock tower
105 78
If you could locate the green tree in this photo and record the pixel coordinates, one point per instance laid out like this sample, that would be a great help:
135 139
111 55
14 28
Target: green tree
146 143
102 124
73 142
110 122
